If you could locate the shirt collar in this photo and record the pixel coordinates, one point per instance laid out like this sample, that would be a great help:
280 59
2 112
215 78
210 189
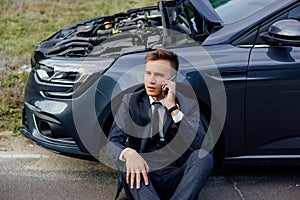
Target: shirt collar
162 101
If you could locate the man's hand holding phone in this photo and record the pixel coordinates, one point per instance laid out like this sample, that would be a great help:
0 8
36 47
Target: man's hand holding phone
169 91
165 89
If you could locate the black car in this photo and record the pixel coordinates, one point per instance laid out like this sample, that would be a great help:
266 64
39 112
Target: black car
239 58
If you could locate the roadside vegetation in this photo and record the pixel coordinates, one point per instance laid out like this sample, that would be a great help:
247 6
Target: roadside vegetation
23 25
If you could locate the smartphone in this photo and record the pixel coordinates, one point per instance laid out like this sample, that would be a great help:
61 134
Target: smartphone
172 78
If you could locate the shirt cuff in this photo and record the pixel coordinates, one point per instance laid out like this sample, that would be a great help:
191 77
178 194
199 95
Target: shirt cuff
177 118
122 154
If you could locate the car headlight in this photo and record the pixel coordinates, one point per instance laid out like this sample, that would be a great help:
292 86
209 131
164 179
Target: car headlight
75 75
73 71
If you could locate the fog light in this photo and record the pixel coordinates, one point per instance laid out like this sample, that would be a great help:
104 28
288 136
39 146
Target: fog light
45 129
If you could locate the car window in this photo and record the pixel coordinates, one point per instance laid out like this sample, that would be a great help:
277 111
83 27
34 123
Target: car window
294 13
235 10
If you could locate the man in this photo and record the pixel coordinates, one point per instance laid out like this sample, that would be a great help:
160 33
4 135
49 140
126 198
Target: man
156 138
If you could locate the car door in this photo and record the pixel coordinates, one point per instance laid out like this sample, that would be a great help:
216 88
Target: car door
272 110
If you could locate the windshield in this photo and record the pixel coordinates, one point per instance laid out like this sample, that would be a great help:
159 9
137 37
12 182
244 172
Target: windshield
235 10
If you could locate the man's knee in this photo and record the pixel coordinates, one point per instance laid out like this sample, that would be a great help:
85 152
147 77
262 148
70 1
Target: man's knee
127 185
145 192
202 159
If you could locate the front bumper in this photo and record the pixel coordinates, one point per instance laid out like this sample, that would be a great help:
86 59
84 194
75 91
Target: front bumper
68 126
38 129
71 150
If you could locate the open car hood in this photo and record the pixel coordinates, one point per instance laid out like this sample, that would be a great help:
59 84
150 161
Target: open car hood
170 24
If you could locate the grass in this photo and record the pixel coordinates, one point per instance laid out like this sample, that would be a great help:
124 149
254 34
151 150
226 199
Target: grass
23 25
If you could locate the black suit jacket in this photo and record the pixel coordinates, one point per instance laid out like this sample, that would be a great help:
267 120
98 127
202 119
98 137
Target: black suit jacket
131 128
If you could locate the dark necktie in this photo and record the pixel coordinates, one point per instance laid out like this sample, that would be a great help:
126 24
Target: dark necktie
155 120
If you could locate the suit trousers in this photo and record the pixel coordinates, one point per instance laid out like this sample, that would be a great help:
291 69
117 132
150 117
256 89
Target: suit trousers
174 182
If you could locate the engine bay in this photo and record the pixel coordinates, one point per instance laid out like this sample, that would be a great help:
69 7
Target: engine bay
132 31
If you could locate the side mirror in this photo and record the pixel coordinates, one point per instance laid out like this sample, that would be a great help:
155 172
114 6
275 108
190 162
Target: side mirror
283 33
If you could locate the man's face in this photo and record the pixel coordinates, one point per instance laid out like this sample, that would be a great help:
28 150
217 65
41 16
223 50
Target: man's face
155 73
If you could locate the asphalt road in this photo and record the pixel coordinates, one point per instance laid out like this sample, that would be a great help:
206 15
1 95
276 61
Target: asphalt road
30 172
